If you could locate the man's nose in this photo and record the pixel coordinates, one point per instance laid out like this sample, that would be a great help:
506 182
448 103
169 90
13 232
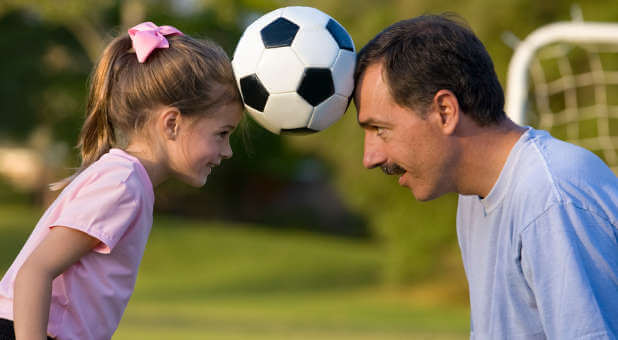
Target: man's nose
373 155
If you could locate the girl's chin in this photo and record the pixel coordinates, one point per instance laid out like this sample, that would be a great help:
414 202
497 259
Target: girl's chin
200 182
196 181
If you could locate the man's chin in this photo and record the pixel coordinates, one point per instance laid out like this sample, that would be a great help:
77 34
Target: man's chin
424 196
417 191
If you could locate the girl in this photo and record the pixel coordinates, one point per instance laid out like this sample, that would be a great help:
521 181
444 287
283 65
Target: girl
161 104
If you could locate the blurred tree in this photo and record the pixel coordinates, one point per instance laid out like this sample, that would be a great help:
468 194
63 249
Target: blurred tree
43 69
49 47
82 18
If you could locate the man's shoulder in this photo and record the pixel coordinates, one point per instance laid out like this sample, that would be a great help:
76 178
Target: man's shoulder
553 172
564 159
547 162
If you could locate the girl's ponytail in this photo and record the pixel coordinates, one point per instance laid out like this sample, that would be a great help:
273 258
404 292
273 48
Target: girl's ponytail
97 135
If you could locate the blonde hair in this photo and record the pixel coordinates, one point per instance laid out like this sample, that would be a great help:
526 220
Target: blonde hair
192 75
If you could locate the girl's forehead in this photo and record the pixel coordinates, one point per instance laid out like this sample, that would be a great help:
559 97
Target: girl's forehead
229 114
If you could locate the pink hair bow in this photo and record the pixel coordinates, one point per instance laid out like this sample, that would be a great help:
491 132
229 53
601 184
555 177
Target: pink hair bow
147 36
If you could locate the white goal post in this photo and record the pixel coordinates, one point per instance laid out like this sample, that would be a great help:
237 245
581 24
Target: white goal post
527 100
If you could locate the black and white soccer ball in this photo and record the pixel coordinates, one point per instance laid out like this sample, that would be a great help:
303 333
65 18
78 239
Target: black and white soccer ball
295 69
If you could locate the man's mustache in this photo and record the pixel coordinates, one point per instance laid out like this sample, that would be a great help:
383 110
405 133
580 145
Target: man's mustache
392 169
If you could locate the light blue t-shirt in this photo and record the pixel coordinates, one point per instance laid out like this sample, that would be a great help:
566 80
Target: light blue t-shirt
541 250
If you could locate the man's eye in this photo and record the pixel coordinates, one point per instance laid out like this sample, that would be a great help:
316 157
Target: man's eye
380 131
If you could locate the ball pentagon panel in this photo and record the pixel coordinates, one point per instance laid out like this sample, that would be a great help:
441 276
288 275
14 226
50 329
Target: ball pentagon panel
264 20
298 131
316 85
253 92
279 33
340 35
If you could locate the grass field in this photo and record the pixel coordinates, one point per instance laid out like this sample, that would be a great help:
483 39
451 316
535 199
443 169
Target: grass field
224 281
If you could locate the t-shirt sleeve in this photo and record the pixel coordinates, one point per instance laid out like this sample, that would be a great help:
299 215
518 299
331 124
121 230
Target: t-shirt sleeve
570 260
103 207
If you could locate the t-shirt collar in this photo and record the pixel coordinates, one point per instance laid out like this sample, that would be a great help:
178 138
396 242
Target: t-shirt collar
496 195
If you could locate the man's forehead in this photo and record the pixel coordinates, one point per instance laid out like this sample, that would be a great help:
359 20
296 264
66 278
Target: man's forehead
371 79
371 93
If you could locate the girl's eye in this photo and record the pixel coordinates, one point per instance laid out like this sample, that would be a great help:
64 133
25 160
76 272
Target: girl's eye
223 133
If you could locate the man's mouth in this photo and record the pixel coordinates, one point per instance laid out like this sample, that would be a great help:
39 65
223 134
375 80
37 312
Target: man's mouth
392 169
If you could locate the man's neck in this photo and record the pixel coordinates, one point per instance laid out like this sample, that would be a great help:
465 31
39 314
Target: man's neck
484 154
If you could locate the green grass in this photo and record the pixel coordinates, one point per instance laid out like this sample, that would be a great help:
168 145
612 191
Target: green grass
201 280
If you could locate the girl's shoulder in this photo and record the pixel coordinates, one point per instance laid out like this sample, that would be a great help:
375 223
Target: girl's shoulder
115 169
105 199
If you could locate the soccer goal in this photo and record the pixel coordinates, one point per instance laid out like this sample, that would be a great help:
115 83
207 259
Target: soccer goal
563 78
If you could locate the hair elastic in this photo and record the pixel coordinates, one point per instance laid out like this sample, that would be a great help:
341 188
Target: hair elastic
147 36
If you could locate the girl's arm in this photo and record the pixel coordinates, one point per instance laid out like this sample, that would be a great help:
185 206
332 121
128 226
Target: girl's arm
32 288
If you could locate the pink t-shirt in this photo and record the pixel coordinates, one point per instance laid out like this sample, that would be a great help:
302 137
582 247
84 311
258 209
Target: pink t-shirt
111 200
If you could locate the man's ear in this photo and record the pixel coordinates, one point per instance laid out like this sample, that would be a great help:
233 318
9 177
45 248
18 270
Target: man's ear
447 105
169 123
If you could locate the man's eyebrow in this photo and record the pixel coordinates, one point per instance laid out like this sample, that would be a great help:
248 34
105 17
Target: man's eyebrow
367 122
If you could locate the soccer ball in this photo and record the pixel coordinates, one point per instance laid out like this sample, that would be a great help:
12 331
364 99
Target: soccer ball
295 70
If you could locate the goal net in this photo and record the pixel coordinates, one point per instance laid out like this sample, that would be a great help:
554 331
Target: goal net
563 78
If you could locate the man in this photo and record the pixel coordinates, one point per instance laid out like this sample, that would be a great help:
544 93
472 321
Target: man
537 219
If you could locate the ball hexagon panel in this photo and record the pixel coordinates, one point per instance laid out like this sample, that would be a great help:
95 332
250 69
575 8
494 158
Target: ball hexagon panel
280 70
289 110
253 92
341 36
316 48
306 17
343 72
316 85
324 114
260 119
247 54
279 33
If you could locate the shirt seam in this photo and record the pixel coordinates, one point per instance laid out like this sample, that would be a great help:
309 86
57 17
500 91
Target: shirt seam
575 205
139 170
102 236
593 334
549 173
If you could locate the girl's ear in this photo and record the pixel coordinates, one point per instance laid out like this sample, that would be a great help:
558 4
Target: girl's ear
169 122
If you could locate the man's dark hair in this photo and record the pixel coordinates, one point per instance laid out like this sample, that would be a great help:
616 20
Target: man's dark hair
425 54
